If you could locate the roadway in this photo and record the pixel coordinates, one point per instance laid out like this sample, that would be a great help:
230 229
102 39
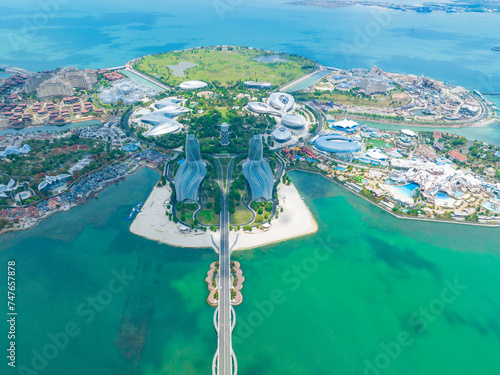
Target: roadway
224 366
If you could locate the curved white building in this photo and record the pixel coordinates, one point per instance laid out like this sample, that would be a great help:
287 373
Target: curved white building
293 120
281 134
348 126
167 102
52 182
173 110
282 101
263 108
165 125
193 85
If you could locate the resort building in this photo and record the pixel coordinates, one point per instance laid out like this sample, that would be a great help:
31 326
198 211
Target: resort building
257 172
54 87
191 172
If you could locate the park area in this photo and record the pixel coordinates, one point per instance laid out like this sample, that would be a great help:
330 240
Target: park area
226 66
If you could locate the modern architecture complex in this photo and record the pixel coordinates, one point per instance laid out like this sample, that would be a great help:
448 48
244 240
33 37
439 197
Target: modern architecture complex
257 172
51 182
162 120
191 172
280 104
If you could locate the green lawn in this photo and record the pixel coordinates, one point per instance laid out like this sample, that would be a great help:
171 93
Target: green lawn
208 217
240 216
226 67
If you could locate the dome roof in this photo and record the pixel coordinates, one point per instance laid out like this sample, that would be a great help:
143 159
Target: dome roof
193 85
337 143
281 134
293 120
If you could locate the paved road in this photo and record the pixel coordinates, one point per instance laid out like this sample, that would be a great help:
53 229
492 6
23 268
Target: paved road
224 364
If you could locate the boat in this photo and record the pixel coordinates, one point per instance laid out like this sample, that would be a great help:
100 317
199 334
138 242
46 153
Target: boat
495 49
135 210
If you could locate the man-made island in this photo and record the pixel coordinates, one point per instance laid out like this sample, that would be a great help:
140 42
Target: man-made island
224 96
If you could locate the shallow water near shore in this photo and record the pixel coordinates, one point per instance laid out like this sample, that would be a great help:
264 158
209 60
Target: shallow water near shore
362 277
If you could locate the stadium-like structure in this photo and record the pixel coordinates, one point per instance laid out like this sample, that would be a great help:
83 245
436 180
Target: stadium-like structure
193 85
257 172
337 144
191 172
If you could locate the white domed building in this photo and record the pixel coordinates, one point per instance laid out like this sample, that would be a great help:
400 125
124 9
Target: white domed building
192 85
282 101
281 134
293 120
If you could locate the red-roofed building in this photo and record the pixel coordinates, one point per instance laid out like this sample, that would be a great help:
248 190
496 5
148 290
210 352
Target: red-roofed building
455 154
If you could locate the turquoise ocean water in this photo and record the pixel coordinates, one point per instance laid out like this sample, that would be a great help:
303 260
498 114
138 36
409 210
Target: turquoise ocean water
349 295
346 293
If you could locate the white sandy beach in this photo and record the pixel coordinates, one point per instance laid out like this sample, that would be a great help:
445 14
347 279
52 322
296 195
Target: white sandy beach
296 220
398 195
152 223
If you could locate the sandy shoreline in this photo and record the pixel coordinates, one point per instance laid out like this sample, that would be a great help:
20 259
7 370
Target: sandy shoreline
295 221
153 223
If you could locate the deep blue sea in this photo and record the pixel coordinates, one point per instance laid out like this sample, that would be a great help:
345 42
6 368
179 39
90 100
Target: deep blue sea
452 47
